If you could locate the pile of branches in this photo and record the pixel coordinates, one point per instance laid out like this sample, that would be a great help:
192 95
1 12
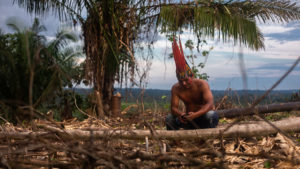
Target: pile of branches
59 146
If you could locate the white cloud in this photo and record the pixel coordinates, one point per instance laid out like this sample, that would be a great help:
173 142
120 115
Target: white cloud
295 73
222 66
281 50
265 73
163 70
162 74
267 29
50 38
274 49
8 9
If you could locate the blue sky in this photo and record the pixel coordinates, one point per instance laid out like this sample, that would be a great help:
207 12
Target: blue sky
263 68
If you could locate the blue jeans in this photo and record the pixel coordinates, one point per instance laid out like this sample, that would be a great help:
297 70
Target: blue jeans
208 120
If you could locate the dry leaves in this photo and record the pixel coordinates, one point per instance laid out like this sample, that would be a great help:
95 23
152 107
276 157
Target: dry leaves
62 151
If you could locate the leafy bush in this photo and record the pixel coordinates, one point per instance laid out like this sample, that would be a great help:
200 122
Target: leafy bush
35 70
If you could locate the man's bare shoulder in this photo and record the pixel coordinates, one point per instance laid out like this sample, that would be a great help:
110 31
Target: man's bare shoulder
200 83
175 87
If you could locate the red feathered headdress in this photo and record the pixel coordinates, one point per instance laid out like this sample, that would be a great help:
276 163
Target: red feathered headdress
183 70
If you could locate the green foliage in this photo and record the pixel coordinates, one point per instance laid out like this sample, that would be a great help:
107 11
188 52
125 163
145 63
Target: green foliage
204 53
34 70
131 110
277 116
191 58
223 121
63 105
267 164
166 103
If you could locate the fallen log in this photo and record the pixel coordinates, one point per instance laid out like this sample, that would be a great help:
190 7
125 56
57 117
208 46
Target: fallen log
240 130
271 108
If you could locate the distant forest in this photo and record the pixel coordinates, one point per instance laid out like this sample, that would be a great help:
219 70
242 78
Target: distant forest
235 96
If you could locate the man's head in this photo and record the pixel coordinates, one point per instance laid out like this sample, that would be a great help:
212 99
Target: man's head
184 73
183 70
185 82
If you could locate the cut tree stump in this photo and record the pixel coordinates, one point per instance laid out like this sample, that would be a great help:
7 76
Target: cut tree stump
239 130
271 108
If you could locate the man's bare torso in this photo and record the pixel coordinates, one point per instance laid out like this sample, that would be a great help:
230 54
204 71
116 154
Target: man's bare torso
193 96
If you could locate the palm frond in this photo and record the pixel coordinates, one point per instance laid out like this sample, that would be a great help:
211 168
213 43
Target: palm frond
37 27
268 10
227 19
62 39
66 9
15 24
209 22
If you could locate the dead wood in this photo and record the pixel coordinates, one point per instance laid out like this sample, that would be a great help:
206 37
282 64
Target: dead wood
271 108
241 130
38 163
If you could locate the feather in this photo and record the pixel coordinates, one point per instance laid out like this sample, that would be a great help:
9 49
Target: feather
178 56
183 70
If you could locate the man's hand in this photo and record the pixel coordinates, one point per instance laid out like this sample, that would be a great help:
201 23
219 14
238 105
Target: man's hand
190 116
182 118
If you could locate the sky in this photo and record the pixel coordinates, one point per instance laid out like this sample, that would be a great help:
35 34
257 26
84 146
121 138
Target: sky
263 68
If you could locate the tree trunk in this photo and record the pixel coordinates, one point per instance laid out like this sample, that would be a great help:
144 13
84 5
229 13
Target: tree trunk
30 92
107 91
99 104
271 108
66 112
240 130
101 47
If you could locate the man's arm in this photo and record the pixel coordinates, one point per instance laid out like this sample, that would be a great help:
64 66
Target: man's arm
174 105
208 101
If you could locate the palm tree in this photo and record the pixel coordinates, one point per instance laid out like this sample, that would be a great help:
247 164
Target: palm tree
30 62
113 27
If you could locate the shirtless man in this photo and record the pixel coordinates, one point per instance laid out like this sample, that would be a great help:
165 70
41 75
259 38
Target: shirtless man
195 94
198 100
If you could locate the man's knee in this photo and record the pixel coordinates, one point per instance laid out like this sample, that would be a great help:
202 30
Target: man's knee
169 118
211 114
213 117
170 122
